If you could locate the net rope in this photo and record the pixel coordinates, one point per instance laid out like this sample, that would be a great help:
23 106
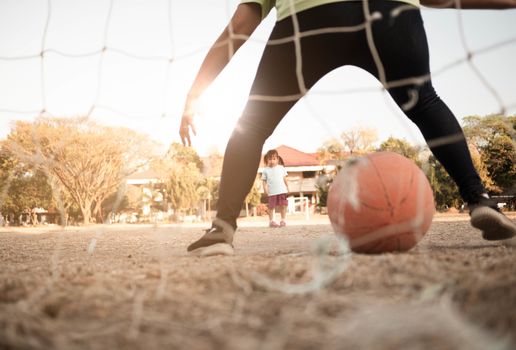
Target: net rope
325 270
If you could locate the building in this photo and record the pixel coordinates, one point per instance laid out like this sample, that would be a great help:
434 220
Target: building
304 172
151 187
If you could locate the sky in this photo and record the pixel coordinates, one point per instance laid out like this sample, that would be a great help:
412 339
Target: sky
135 84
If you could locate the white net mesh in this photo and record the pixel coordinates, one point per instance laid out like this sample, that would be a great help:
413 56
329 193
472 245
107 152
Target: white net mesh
130 64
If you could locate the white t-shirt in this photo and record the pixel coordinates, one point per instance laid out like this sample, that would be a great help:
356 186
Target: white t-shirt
275 179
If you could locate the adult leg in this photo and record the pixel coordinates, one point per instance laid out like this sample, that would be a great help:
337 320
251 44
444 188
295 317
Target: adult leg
402 46
403 49
275 90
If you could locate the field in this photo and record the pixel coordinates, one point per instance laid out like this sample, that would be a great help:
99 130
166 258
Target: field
134 287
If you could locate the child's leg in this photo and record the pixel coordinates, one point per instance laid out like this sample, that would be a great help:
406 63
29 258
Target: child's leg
283 212
271 214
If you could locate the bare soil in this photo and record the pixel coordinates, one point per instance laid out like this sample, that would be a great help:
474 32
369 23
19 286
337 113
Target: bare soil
135 287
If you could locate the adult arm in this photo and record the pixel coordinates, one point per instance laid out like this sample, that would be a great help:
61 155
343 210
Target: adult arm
471 4
244 21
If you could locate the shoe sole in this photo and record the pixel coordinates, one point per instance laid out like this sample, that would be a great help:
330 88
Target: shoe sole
494 226
215 249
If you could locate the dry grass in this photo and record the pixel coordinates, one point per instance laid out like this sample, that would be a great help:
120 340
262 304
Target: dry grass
135 287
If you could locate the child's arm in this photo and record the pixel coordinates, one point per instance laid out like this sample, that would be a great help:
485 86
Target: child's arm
265 188
286 183
243 23
471 4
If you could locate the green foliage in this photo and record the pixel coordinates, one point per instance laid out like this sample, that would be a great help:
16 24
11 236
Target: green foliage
481 129
184 155
481 168
445 190
185 183
182 185
402 147
213 165
25 193
331 150
499 156
22 189
494 138
254 196
128 197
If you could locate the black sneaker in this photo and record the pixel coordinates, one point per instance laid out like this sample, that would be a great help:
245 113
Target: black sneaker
216 240
486 216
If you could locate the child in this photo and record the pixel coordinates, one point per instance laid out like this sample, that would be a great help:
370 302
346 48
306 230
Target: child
275 185
289 68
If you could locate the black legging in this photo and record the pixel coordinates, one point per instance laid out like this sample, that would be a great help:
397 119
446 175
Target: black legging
403 50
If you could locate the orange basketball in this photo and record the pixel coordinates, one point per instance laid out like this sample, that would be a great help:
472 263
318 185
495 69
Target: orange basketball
381 202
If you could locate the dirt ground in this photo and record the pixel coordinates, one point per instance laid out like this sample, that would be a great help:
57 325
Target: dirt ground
134 287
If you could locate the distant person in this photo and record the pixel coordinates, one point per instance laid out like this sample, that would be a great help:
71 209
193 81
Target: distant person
275 185
290 66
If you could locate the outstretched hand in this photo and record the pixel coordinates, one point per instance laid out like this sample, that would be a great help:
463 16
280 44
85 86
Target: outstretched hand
187 124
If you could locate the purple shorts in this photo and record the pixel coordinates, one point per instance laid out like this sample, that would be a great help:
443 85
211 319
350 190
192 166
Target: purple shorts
278 200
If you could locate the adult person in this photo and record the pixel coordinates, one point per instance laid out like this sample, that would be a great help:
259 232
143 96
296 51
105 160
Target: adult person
291 65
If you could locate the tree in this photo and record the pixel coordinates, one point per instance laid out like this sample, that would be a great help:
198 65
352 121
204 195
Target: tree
22 190
500 158
253 198
80 158
213 185
482 170
209 193
330 150
204 194
182 184
446 193
212 167
181 167
479 130
184 155
445 190
128 197
402 147
359 139
493 136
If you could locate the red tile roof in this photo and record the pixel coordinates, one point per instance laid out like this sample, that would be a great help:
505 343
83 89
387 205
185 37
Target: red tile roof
293 157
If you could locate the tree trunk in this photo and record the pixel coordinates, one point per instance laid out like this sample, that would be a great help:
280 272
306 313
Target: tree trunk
97 211
86 213
34 218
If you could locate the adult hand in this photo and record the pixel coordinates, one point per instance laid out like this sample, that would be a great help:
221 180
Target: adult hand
187 123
